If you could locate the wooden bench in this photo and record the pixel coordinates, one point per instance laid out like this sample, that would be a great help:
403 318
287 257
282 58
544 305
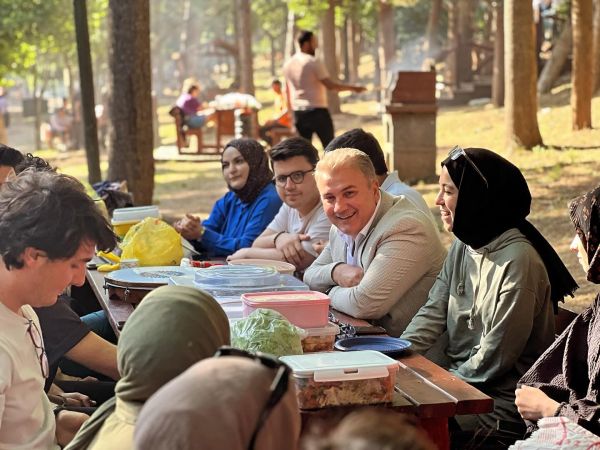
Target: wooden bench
184 133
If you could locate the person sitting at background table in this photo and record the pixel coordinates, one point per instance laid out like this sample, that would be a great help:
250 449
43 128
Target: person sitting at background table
282 119
565 380
301 220
244 212
494 296
226 402
383 254
194 114
172 328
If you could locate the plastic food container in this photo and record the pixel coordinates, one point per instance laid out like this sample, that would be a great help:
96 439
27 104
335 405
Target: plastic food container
337 378
233 281
280 266
124 218
304 309
320 339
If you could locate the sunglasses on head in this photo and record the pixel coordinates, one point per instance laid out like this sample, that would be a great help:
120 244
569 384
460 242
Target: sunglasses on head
457 152
278 386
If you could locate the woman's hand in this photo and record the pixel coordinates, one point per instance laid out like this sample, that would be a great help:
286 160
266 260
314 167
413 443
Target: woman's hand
533 403
190 227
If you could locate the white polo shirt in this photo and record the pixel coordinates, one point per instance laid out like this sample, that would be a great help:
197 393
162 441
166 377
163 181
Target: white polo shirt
315 224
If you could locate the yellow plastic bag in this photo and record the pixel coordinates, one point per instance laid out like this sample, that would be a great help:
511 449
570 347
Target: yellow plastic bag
153 243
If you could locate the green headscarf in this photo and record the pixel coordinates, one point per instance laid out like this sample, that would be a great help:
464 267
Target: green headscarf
173 328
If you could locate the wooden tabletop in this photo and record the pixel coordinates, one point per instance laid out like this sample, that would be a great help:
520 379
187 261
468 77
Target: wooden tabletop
422 388
117 311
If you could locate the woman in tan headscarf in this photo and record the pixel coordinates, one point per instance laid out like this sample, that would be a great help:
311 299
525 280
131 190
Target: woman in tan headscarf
173 328
217 404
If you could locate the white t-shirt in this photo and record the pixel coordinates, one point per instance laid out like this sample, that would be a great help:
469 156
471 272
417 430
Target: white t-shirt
393 186
304 73
26 417
315 224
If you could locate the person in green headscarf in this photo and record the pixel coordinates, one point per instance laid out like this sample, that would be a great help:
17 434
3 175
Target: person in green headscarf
173 328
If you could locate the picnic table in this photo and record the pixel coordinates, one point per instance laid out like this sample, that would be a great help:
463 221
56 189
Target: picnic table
423 389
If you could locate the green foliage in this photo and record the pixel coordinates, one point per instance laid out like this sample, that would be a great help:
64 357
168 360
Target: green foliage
309 12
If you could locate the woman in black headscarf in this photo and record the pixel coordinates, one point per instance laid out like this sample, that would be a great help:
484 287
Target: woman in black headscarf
494 296
565 381
245 211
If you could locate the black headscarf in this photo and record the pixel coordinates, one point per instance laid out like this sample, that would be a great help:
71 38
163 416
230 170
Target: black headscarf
485 212
260 174
585 215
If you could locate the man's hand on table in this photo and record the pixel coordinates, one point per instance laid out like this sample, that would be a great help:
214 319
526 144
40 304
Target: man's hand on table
533 403
291 247
347 276
190 227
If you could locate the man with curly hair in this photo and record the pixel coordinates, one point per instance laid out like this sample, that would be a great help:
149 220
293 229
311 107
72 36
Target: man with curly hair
49 229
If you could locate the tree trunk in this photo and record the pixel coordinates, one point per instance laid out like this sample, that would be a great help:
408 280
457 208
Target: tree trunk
272 40
329 56
596 46
344 53
290 35
245 44
581 75
130 105
498 77
451 76
432 41
3 136
353 48
86 80
183 68
560 53
381 93
237 79
465 39
387 39
37 104
520 76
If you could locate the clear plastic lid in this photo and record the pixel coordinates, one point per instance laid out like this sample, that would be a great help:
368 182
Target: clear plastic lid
238 280
236 276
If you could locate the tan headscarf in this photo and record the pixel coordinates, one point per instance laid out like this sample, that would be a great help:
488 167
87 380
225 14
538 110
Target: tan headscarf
216 405
173 328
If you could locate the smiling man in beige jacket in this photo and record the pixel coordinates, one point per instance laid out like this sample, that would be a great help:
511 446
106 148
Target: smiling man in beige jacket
383 254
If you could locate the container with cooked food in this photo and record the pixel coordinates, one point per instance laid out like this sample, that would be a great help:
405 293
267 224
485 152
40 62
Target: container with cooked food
320 339
337 378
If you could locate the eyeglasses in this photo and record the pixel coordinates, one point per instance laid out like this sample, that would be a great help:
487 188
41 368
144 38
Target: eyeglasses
277 389
457 152
296 177
38 343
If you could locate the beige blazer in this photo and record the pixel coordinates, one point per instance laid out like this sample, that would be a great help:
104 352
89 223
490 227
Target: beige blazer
401 258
